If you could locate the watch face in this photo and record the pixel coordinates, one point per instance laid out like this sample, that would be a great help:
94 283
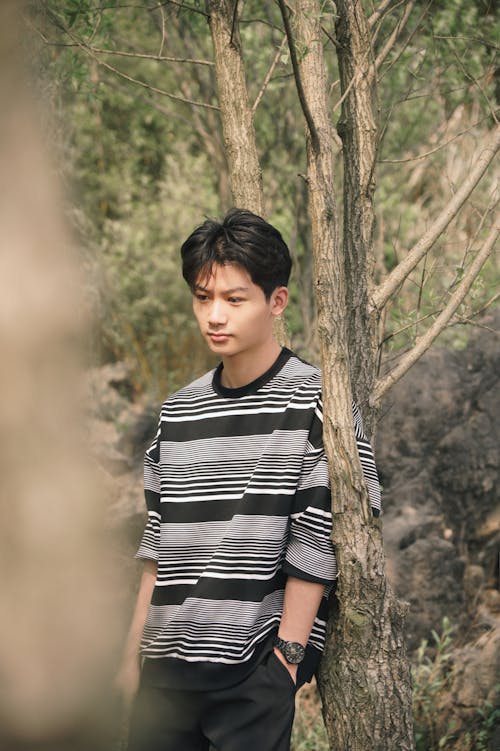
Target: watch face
294 652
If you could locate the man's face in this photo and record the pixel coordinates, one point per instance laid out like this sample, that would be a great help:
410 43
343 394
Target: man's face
233 313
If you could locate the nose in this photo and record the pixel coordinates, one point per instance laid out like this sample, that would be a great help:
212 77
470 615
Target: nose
217 314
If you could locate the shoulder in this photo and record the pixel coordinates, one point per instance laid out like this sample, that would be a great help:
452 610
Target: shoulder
309 377
301 374
200 387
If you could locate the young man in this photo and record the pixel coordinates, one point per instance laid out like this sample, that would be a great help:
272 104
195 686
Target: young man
230 615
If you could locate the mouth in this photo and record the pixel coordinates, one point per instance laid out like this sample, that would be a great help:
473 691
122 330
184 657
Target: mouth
216 337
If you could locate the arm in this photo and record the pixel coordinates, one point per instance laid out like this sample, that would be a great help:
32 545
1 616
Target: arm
301 603
127 679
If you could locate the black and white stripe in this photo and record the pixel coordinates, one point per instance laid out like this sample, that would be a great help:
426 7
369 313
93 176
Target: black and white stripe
237 491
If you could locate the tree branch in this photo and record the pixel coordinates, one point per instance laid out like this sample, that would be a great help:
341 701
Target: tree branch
137 81
410 325
298 82
436 148
424 342
476 40
233 22
182 6
378 13
269 75
475 82
387 288
394 35
407 41
119 53
163 29
137 55
468 319
88 50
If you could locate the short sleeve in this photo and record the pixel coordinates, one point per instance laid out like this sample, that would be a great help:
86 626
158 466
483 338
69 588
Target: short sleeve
310 554
150 541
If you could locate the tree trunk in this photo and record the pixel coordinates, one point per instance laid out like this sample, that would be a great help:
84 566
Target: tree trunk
245 174
364 676
358 132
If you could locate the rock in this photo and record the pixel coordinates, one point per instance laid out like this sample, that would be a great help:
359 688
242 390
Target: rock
474 686
437 452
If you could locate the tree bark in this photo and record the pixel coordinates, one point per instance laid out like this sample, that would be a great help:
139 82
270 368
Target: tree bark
364 676
245 174
358 132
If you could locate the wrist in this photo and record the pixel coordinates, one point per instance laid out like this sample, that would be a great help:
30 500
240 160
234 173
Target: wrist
293 652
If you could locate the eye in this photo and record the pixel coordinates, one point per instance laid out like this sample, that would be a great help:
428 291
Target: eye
201 297
235 299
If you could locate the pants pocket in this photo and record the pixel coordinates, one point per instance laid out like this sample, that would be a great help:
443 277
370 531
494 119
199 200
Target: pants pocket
280 670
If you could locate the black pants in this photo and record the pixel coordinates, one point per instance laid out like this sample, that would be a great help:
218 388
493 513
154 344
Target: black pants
255 715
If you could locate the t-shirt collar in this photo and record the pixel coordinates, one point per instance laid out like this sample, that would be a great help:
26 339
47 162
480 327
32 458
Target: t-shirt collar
253 386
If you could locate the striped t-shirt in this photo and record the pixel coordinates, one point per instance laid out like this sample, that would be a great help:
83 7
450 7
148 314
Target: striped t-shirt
237 493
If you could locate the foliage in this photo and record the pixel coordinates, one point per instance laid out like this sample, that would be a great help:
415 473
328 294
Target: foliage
435 728
309 732
142 168
432 672
489 722
431 680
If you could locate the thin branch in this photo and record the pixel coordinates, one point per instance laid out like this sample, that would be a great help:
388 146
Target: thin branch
407 41
476 40
351 83
163 29
330 38
182 6
408 326
137 81
492 206
263 21
424 342
123 53
476 324
437 148
478 312
421 288
233 23
269 75
298 81
423 94
152 8
391 283
376 32
96 27
475 82
378 13
394 35
120 73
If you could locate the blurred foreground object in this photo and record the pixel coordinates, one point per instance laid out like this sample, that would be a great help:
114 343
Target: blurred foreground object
56 629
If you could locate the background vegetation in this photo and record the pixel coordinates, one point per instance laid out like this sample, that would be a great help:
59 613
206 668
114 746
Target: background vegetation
143 165
142 168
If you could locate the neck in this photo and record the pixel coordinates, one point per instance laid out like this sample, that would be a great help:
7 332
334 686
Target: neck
245 367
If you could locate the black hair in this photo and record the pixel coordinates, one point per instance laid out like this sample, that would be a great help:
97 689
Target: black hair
242 238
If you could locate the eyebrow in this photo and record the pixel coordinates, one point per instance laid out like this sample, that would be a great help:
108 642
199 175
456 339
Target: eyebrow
226 291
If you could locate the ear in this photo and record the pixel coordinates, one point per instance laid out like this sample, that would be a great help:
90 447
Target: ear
279 301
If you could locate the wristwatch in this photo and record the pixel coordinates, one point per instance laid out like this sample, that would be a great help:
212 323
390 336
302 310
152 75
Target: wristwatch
292 651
